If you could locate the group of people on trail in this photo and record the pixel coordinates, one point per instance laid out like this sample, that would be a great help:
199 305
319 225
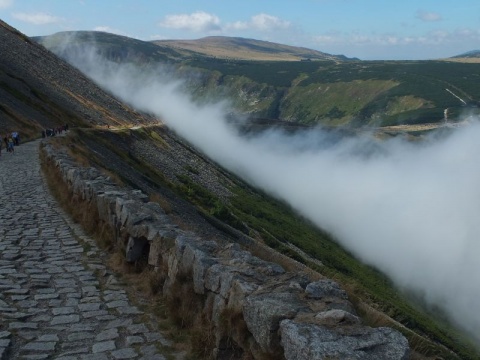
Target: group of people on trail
11 140
54 131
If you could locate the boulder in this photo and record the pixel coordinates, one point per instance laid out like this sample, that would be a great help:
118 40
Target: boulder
335 317
306 341
324 289
263 313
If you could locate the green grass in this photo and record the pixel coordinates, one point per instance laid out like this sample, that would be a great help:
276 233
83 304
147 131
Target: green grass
357 90
275 73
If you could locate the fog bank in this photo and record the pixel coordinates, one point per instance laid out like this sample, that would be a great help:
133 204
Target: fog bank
412 210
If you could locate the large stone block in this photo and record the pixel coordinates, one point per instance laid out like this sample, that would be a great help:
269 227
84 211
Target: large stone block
263 313
324 289
201 264
239 290
306 341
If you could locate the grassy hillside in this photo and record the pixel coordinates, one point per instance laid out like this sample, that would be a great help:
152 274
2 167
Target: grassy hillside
246 49
356 93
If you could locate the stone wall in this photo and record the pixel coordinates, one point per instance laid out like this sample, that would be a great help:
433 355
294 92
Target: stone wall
252 307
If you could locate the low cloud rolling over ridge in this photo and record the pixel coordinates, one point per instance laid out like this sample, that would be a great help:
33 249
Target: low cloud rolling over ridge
411 210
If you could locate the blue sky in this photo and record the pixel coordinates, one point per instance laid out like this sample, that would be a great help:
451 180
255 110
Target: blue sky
367 29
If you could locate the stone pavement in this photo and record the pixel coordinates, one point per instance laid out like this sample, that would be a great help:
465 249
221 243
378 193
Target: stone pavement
57 298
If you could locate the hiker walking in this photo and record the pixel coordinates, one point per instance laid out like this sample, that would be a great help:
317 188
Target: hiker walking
16 138
10 146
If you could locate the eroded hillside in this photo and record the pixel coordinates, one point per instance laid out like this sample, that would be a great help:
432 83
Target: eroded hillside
38 90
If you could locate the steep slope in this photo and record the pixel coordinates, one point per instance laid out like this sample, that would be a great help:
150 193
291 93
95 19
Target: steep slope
39 90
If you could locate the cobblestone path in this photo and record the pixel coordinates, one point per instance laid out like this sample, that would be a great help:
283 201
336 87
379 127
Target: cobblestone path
57 298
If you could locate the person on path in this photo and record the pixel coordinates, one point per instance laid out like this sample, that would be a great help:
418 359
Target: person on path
11 147
16 138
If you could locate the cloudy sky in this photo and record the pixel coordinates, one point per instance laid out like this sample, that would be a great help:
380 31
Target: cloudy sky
367 29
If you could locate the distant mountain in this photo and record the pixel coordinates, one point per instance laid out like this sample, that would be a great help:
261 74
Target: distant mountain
469 54
112 46
122 48
247 49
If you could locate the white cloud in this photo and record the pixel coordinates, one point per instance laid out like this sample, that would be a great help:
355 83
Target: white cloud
268 22
198 21
428 16
108 29
5 4
437 37
263 22
409 209
37 18
325 39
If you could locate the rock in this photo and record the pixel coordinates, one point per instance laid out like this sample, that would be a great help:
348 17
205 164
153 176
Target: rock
240 289
135 249
263 313
200 265
337 317
324 288
303 341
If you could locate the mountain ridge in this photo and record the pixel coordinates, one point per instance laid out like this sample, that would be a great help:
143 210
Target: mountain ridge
471 53
249 49
238 48
324 91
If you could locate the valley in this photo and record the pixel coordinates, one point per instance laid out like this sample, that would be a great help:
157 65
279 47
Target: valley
325 91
